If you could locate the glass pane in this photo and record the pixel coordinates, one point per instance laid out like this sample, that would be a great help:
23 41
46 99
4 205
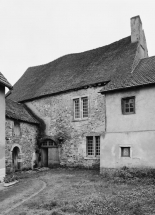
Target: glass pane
127 110
127 105
125 151
131 105
90 148
97 145
85 106
131 110
76 108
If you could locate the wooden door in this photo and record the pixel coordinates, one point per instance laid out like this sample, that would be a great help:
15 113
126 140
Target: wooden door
44 157
53 156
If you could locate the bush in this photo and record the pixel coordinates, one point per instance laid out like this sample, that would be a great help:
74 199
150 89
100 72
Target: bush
10 178
126 173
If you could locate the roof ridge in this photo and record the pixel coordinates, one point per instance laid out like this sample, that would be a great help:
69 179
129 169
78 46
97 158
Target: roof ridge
76 53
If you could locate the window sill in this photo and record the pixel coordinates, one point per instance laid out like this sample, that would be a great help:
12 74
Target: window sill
79 120
91 158
125 158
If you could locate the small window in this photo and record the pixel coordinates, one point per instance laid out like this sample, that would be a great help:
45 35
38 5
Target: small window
84 107
76 108
93 146
81 108
128 105
16 128
125 151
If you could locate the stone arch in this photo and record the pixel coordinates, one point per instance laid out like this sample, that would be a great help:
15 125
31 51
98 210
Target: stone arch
16 145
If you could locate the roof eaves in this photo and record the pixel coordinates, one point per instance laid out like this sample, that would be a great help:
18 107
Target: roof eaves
125 87
99 84
22 120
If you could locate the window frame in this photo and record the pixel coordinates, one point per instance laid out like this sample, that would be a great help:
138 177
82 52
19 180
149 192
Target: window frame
123 105
80 108
120 151
122 148
94 146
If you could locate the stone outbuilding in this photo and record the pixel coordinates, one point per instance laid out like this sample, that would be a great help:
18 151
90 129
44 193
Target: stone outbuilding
21 136
3 83
64 97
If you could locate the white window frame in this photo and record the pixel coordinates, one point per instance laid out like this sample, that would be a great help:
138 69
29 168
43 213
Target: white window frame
80 107
94 147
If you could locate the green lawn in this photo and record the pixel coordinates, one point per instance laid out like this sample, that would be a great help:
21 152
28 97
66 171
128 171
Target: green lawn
71 191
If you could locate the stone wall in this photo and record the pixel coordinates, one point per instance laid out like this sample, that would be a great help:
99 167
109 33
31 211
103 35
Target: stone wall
57 113
26 142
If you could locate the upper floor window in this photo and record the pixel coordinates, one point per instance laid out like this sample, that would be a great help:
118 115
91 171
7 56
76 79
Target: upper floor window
93 146
128 105
16 128
81 108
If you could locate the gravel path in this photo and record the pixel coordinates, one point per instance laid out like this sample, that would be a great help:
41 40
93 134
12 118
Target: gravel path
11 198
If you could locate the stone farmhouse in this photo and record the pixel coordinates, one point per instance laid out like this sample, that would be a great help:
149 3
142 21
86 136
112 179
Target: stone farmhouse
71 106
3 83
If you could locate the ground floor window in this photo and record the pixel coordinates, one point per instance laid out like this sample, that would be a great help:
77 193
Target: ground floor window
125 152
93 146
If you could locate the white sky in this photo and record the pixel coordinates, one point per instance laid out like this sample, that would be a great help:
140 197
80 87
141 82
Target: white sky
34 32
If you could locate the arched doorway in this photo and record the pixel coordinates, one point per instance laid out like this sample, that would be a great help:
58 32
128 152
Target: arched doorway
49 152
15 157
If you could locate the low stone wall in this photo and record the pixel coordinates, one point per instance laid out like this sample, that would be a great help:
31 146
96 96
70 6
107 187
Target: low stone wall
26 142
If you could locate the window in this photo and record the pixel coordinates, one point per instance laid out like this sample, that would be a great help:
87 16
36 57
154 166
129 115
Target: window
93 146
125 151
77 108
81 108
128 105
16 128
84 107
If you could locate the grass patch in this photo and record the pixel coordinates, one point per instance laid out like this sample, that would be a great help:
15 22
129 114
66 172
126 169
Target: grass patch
123 191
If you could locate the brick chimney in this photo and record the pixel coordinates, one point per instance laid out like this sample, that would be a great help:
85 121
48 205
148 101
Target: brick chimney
138 35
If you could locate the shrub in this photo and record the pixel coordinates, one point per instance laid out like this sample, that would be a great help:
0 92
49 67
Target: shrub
10 178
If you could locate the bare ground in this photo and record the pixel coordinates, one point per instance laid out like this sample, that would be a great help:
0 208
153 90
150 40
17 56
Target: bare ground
71 191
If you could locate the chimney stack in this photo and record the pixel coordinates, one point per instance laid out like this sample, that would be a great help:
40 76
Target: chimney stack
138 35
136 29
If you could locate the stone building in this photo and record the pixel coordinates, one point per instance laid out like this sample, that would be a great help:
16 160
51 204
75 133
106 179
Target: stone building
3 83
21 136
64 97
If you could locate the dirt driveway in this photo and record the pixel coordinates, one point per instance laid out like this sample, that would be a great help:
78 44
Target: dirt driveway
78 192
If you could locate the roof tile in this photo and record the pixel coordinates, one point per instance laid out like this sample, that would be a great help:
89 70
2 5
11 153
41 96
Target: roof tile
17 111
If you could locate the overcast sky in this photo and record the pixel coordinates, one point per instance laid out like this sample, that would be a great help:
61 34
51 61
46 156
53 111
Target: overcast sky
34 32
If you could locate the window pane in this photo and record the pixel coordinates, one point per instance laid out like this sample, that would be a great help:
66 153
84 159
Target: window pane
127 110
127 105
90 148
97 145
131 110
76 108
125 151
131 105
85 106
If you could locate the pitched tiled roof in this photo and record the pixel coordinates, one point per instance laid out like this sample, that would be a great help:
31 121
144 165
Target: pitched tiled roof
17 111
4 81
143 74
75 71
